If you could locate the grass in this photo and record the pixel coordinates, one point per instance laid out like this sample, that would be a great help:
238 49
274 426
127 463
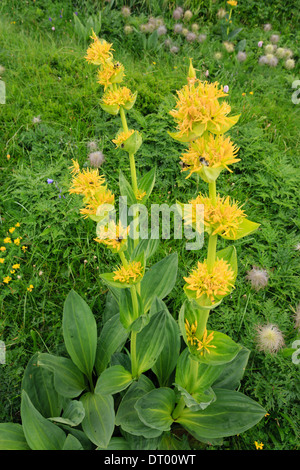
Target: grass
47 76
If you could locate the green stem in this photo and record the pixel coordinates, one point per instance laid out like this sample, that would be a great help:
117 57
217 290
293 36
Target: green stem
135 302
123 259
123 119
211 252
213 192
133 354
179 407
133 173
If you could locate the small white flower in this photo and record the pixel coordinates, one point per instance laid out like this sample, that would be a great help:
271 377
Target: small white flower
191 37
274 38
297 247
128 29
289 64
161 30
177 13
229 46
92 145
126 11
174 49
221 13
263 60
195 27
269 338
202 37
178 28
258 277
267 27
269 48
188 15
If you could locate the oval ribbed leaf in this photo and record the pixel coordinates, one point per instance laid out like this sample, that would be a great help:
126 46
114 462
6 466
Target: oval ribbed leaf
39 432
80 332
232 413
113 380
12 437
156 407
99 420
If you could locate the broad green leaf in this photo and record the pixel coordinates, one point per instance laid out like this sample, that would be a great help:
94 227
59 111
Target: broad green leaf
38 383
73 414
225 350
111 339
159 280
170 442
146 183
150 342
166 361
133 143
126 189
117 443
127 416
194 379
232 373
12 437
234 33
39 432
111 307
108 278
80 332
113 380
245 228
80 436
231 414
146 246
142 443
69 381
127 314
99 421
71 443
156 407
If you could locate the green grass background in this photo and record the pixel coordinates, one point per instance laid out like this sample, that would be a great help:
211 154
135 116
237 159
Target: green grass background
46 75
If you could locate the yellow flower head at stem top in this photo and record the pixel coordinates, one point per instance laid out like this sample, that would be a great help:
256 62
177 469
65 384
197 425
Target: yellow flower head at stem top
198 109
130 274
232 3
217 282
223 218
110 73
99 51
113 235
212 152
122 96
202 345
122 137
91 186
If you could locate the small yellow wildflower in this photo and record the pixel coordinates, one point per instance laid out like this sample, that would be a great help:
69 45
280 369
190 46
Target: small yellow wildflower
129 274
24 248
2 248
75 168
7 279
12 229
111 72
99 51
243 94
12 271
2 260
251 92
30 288
120 97
198 109
8 157
112 235
223 218
191 332
87 182
212 284
17 241
203 345
17 224
214 152
122 137
258 445
7 240
16 266
232 3
140 194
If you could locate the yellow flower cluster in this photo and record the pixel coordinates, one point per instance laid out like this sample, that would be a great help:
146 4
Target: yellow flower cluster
112 235
203 344
89 184
3 249
222 217
129 274
122 137
198 109
211 283
119 97
213 152
99 51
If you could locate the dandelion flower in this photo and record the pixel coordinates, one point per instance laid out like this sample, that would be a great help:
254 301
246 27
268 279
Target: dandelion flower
269 338
130 274
258 277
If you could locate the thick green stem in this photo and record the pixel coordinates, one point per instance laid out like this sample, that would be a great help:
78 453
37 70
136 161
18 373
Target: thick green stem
133 173
213 192
135 302
123 119
211 252
179 407
134 370
123 259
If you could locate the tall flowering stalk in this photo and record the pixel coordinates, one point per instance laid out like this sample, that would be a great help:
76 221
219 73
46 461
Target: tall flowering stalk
133 381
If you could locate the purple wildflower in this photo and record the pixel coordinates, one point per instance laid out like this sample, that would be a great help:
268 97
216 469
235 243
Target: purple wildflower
226 89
